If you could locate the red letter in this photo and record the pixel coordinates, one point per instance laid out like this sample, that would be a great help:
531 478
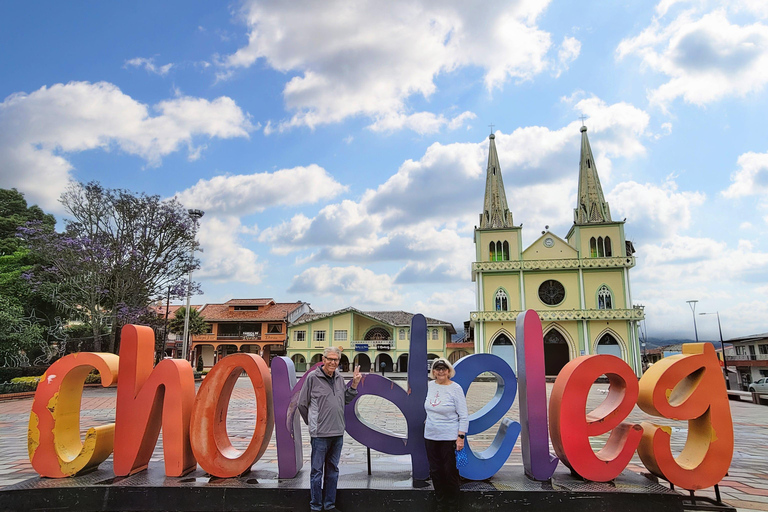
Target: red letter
55 448
571 430
689 387
210 441
147 399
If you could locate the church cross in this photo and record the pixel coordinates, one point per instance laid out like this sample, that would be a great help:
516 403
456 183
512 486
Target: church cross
582 119
491 125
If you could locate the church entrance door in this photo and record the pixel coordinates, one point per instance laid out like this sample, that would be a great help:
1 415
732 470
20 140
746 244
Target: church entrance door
555 352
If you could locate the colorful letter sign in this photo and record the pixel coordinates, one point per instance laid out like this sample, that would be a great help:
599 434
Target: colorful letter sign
485 464
55 449
410 403
539 464
571 429
208 428
688 386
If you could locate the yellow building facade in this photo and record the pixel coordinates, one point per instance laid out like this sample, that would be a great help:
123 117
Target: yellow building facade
579 285
367 338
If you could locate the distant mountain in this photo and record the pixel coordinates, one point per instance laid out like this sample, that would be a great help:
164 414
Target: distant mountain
663 342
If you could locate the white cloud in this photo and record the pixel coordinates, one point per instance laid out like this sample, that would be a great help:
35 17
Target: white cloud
421 122
250 193
569 50
454 304
422 210
718 275
657 211
751 178
224 259
149 65
39 129
361 286
703 54
337 51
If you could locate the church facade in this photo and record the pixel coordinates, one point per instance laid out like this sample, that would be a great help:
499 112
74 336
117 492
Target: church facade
579 285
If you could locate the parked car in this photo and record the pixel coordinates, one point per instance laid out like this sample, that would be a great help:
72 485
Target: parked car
760 385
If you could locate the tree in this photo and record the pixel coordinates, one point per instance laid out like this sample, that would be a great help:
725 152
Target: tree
18 300
119 251
197 324
14 213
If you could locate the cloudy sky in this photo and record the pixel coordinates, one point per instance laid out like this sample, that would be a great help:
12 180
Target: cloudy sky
338 149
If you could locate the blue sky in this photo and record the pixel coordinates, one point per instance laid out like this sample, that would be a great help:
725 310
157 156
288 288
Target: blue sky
338 148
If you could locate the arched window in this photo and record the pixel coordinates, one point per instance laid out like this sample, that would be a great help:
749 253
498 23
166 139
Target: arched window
608 252
401 334
376 334
434 334
592 248
600 249
604 299
501 301
492 251
505 251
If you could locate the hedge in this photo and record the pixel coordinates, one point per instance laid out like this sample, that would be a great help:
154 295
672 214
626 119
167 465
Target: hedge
8 374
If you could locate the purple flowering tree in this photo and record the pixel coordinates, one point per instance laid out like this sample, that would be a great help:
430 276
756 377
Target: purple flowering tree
119 252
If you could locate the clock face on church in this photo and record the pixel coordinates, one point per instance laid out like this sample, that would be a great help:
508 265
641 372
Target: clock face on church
551 292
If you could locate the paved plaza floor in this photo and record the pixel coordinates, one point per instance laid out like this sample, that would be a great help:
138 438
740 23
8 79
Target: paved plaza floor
745 487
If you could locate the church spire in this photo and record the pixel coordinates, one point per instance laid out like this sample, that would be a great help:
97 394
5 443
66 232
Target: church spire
591 207
495 214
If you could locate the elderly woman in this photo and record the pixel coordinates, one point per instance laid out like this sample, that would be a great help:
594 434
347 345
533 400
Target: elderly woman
447 422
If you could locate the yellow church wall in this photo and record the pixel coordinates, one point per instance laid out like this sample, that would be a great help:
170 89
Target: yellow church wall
509 282
569 280
613 279
585 233
484 238
559 251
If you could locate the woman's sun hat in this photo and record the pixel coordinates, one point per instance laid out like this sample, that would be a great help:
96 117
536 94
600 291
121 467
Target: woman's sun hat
441 362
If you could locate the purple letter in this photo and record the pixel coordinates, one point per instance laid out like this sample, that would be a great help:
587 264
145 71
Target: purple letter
410 403
538 462
285 397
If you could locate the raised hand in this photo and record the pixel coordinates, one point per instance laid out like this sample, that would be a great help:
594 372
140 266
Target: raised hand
356 376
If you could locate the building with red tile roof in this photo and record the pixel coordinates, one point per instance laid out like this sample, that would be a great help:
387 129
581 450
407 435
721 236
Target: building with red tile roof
256 326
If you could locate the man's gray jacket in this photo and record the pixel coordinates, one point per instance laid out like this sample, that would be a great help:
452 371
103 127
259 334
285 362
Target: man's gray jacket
321 403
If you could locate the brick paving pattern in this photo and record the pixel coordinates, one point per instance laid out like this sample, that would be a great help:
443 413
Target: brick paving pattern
745 487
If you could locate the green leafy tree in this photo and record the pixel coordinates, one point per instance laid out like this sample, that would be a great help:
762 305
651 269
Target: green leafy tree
197 324
19 301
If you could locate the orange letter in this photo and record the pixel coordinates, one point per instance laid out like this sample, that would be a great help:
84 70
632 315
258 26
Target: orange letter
147 399
571 430
689 387
208 431
55 449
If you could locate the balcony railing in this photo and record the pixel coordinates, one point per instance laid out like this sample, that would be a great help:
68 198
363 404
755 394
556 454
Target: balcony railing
245 337
562 315
747 357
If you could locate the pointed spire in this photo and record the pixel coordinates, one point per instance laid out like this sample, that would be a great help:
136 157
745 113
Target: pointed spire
495 214
591 207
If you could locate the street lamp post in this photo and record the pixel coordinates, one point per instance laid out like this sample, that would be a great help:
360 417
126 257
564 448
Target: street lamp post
196 215
722 344
692 303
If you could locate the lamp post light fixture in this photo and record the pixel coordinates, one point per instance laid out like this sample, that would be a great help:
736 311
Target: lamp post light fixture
196 215
692 303
722 344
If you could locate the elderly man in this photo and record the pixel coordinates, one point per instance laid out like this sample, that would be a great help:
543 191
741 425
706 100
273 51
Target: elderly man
321 404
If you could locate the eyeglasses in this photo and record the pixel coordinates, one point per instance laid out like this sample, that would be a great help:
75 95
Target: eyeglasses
331 360
441 369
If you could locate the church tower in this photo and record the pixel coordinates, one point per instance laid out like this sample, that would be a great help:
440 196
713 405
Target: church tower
579 285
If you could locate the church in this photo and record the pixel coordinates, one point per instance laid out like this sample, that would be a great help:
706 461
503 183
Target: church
578 285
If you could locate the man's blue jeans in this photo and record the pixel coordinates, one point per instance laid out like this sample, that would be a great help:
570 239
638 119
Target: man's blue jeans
326 452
